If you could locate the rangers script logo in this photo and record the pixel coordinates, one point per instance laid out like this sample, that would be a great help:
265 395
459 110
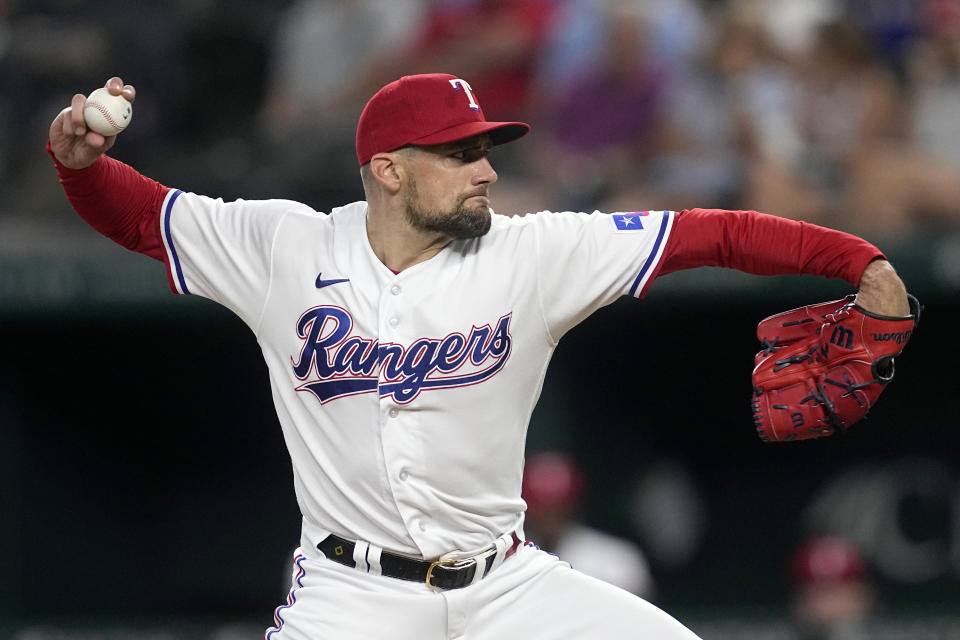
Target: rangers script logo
337 364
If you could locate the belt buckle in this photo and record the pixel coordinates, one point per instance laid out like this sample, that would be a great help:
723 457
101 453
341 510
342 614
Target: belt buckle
453 564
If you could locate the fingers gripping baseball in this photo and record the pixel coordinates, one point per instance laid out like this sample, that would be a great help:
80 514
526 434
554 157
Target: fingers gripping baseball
822 367
72 139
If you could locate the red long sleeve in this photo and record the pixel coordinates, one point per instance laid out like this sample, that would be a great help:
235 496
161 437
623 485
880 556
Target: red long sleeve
763 244
118 202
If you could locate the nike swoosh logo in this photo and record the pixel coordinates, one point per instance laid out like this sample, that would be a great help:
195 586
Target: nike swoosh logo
321 283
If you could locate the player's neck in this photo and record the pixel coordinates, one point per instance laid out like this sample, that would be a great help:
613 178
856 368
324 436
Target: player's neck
398 245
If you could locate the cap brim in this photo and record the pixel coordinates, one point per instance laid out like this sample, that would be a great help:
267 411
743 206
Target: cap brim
500 132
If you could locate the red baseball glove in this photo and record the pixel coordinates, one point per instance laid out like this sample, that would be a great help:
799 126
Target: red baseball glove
823 367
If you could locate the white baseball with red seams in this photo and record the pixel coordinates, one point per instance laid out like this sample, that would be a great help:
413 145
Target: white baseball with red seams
106 113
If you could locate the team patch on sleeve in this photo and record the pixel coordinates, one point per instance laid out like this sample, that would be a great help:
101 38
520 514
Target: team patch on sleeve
629 221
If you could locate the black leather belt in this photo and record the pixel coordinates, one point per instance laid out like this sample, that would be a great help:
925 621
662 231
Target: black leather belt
442 574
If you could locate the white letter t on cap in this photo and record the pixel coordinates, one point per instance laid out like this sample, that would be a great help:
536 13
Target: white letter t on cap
462 84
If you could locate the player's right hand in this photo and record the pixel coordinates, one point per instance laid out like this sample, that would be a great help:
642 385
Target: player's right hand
72 143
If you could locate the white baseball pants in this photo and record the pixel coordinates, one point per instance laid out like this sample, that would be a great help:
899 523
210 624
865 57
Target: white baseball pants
532 596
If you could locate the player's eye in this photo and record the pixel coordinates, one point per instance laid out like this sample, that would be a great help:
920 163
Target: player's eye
473 154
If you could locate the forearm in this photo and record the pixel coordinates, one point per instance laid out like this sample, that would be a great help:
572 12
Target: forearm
118 202
763 244
767 245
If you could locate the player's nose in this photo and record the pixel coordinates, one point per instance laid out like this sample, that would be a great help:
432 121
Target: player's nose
485 173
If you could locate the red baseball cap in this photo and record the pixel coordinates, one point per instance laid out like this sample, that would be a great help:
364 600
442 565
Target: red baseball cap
426 109
551 479
827 559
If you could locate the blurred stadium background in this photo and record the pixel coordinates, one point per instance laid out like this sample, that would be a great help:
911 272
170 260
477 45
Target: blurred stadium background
144 488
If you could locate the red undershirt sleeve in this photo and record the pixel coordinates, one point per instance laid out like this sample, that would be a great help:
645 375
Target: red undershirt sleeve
763 244
116 200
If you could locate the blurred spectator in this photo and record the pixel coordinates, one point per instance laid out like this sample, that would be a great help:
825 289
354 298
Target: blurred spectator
790 24
849 161
935 80
322 55
849 110
833 596
493 43
678 30
757 59
571 45
833 111
672 32
892 27
859 141
935 77
712 107
553 486
327 57
668 512
6 101
603 119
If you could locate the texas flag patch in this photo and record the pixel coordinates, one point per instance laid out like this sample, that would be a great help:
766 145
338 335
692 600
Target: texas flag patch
629 221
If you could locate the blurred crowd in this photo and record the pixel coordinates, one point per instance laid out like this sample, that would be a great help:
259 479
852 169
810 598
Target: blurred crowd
830 587
841 112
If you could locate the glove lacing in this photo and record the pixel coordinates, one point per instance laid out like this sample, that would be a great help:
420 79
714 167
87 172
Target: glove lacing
797 359
831 419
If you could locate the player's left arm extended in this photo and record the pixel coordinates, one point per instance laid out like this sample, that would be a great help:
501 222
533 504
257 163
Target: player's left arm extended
763 244
821 367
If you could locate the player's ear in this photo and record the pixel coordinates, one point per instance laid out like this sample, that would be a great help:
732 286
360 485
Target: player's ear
387 171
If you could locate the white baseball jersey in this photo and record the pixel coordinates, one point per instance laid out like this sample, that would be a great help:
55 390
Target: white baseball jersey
404 398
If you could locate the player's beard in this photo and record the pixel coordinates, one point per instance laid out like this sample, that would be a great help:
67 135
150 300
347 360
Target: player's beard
461 223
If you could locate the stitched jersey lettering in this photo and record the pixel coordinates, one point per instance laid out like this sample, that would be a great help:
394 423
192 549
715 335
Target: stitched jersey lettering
333 363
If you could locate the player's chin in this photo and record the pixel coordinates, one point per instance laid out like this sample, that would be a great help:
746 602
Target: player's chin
470 222
482 218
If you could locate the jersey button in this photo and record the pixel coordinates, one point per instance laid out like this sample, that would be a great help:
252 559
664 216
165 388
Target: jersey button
395 289
394 321
422 525
404 475
394 412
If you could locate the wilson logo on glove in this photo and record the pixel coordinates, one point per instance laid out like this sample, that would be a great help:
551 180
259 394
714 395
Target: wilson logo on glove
823 366
842 337
900 337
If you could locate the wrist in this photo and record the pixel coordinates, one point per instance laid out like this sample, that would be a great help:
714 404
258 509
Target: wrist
881 291
64 169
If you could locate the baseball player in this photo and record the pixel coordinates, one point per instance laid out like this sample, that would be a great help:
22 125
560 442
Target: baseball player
407 337
553 489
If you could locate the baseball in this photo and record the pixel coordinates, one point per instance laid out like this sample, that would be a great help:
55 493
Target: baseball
106 113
